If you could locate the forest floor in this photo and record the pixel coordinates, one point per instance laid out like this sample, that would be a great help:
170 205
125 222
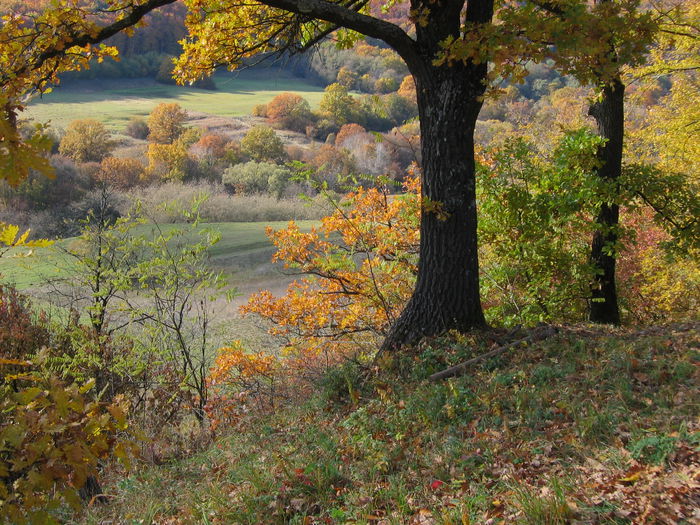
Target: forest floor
588 426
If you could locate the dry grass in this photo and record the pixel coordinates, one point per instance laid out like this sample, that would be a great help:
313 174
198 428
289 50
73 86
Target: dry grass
165 201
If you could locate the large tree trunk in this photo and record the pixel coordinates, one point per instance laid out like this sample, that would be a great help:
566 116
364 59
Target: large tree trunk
447 287
609 113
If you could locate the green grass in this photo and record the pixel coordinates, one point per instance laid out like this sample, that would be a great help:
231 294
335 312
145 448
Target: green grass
242 251
115 102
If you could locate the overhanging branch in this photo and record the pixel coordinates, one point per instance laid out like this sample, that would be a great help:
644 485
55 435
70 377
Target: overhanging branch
370 26
84 39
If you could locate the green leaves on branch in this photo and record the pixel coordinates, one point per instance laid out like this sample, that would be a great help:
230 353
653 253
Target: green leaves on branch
675 200
535 225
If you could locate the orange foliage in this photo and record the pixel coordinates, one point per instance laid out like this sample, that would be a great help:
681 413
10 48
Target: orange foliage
283 105
407 89
347 131
236 379
234 361
122 173
211 145
362 263
654 288
331 162
290 111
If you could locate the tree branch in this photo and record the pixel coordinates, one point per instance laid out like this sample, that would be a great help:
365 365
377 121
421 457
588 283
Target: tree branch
133 18
370 26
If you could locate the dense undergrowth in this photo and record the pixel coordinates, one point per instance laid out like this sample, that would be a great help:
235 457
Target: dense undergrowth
591 426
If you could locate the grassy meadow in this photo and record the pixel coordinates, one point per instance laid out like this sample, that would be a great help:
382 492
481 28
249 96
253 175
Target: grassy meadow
114 102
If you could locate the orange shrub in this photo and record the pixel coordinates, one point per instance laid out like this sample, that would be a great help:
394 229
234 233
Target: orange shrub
289 111
347 131
362 263
211 145
122 173
332 164
237 379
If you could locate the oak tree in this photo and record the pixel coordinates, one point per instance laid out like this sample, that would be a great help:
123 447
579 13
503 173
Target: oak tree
447 49
616 34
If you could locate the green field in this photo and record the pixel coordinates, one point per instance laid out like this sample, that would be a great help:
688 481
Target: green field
244 251
114 102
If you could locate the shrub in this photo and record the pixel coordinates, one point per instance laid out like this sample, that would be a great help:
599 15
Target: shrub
137 128
347 78
257 177
212 154
243 376
385 85
45 201
535 241
259 110
372 156
21 333
332 165
290 111
166 123
338 105
407 89
363 262
51 439
399 109
322 129
261 143
211 145
220 206
347 131
383 113
121 173
168 161
86 140
190 136
366 83
656 286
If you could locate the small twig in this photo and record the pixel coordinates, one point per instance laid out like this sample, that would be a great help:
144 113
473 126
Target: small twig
537 334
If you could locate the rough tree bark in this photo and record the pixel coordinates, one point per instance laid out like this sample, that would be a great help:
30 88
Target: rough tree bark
449 100
609 113
446 295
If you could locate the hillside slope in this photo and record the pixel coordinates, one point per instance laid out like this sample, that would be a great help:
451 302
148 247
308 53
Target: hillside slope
589 426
